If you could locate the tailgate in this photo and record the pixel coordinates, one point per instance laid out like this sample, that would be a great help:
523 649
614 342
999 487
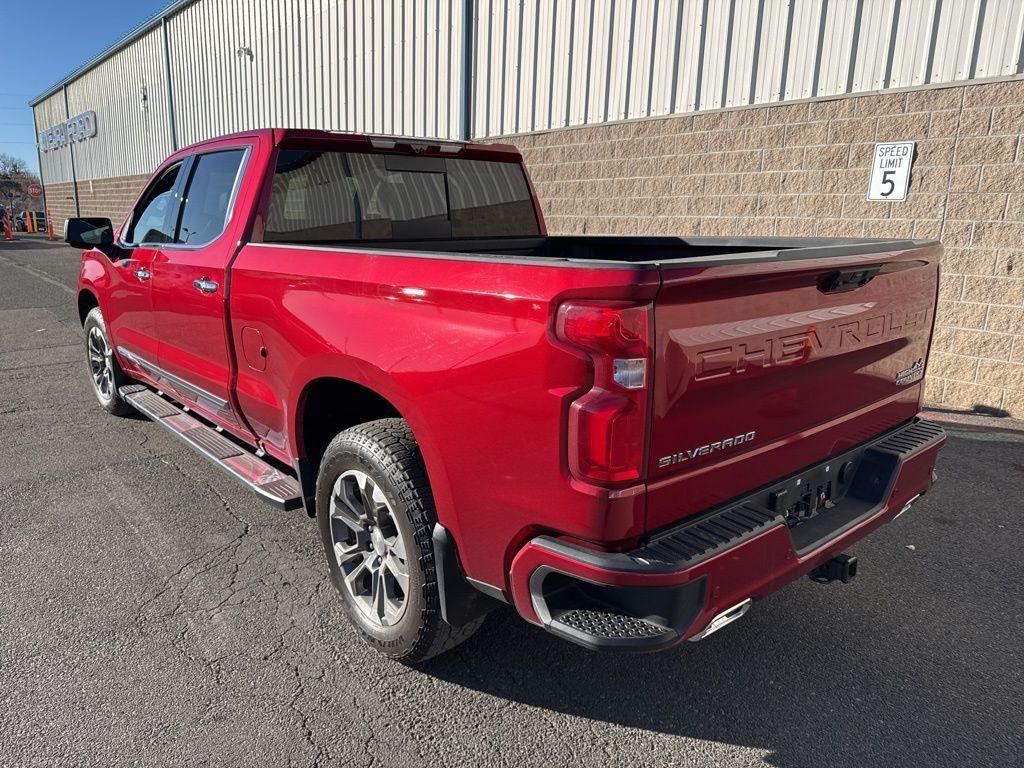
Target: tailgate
762 369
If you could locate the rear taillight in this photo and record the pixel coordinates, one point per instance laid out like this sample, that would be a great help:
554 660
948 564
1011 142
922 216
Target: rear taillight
608 424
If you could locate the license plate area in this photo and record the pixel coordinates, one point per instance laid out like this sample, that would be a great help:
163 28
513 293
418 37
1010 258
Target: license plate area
821 501
813 493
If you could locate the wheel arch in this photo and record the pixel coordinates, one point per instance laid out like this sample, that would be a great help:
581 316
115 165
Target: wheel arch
327 405
87 302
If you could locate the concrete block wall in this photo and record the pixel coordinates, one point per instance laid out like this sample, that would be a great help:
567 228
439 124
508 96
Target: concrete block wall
110 198
60 205
802 169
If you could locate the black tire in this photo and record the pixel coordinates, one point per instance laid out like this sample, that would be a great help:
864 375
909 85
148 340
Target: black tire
387 453
107 394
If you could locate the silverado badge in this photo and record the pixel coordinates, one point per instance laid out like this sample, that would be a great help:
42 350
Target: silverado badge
704 450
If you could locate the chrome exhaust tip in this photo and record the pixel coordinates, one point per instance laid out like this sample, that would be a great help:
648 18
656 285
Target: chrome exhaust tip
728 616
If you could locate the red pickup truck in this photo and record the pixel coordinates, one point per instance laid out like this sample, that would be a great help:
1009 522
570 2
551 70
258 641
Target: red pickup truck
629 439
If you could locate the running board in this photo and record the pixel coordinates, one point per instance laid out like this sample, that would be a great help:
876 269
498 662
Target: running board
268 482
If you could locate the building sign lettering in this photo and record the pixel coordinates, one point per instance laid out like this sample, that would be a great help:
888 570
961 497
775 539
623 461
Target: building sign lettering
78 128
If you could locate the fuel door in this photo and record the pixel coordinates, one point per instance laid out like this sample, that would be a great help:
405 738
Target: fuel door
253 349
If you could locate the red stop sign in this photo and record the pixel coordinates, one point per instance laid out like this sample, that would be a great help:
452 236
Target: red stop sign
34 190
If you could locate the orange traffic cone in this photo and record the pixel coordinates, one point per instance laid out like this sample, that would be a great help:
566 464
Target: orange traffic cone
8 232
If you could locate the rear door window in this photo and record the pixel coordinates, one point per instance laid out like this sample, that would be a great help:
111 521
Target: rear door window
333 197
207 201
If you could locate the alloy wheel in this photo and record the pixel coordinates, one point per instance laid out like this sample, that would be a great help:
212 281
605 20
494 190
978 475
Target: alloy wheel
369 548
101 363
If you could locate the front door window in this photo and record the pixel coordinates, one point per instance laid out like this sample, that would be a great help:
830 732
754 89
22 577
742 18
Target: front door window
153 220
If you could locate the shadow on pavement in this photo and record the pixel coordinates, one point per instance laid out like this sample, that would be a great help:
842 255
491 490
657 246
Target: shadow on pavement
896 668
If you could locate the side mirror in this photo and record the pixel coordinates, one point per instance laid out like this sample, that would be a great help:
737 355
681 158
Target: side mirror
88 233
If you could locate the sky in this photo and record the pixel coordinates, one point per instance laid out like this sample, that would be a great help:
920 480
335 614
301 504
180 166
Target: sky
47 48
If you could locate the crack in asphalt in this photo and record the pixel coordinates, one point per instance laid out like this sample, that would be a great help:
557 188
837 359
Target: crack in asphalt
68 345
38 274
227 556
31 366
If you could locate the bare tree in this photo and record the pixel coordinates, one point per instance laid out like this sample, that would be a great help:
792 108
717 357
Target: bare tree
14 180
12 166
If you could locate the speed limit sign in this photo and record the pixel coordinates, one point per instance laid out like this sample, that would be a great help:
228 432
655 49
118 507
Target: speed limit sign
890 170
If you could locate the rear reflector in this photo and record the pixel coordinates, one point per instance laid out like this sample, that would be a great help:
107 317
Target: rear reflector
630 374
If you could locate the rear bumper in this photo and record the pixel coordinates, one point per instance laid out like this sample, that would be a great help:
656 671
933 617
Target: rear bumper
678 585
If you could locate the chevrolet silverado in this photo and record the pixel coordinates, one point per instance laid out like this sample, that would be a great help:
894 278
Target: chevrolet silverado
628 439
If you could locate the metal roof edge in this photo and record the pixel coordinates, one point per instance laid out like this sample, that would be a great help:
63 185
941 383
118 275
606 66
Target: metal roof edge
149 24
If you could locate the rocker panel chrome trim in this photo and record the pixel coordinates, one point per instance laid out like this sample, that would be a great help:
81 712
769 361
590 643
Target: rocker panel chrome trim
159 372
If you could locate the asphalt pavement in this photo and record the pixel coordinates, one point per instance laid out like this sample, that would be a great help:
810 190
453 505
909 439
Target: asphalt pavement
153 612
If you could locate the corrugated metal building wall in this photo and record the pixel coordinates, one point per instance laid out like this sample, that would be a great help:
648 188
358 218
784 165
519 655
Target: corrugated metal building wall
386 66
381 67
55 164
396 66
128 92
552 63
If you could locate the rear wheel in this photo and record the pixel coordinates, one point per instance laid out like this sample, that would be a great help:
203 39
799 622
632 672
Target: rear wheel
370 549
104 370
376 516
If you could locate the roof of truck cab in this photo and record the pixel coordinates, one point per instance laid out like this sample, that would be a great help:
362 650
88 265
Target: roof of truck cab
374 142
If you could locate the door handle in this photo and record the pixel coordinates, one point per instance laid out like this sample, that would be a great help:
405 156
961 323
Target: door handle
205 286
142 273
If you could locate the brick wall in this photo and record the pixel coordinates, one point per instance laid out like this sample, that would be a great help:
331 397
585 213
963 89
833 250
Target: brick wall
110 198
60 205
802 169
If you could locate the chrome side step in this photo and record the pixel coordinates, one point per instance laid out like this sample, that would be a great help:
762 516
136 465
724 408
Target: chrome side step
268 482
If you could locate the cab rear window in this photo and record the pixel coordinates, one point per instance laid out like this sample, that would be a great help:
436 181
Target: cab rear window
338 197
